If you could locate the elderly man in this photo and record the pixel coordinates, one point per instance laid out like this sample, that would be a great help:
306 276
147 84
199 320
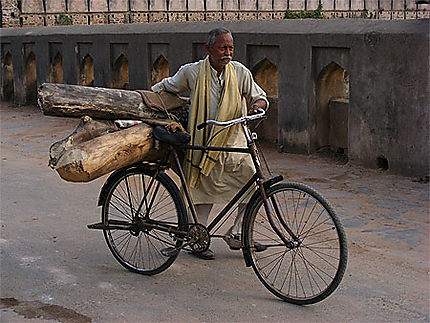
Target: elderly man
220 89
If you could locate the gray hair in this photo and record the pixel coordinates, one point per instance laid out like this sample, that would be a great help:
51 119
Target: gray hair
214 33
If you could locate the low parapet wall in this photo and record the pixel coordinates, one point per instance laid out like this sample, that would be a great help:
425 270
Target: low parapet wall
370 77
25 13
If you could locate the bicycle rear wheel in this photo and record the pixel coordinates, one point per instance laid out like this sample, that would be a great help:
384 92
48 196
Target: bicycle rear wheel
310 271
135 245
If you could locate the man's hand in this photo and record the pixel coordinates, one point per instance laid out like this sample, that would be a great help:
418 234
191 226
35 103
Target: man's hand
259 104
174 126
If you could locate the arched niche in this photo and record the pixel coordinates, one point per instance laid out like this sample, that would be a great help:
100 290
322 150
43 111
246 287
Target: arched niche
7 77
119 79
160 70
329 124
30 79
266 75
56 69
86 71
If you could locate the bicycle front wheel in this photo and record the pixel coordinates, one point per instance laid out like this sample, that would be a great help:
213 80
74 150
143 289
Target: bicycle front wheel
137 247
310 270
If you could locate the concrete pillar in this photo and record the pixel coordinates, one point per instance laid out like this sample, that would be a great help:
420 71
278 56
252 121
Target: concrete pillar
158 5
313 4
178 5
98 5
411 4
78 5
265 5
102 66
18 69
32 6
280 4
118 5
70 63
372 5
357 5
138 48
385 4
297 4
196 5
342 4
41 49
139 5
215 5
231 5
328 4
248 5
55 6
398 4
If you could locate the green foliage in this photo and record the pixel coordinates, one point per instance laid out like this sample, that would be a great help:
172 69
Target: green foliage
368 15
62 19
313 14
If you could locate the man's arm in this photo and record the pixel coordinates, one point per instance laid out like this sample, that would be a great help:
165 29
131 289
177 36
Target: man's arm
254 94
175 84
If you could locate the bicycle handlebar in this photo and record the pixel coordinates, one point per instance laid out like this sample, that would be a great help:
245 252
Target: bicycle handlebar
233 121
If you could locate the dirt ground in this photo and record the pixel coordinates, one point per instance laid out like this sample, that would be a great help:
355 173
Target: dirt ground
53 269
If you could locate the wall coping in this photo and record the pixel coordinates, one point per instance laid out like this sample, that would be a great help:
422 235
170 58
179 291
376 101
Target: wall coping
296 26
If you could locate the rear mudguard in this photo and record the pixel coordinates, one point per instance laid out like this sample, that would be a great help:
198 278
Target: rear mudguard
267 184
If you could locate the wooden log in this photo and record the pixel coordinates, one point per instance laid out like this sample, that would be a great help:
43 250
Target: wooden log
109 104
96 157
86 130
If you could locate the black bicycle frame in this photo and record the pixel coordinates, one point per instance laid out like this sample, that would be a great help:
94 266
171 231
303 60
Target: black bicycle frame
257 178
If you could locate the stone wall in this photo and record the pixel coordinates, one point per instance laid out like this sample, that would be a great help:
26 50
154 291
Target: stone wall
358 87
28 13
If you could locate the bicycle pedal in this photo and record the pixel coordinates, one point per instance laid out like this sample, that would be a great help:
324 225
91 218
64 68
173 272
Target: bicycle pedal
97 226
169 252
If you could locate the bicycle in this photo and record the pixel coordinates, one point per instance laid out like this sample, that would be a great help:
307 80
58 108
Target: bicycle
145 222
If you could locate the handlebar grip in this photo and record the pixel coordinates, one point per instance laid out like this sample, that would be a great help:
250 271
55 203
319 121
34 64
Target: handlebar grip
201 126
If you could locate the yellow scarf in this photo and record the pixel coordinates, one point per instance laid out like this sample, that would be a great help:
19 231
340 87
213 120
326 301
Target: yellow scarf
229 107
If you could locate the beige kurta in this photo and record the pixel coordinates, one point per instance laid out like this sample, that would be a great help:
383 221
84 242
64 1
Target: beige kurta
232 170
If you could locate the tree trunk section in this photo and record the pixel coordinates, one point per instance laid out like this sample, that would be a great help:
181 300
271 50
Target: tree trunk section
86 130
109 104
98 156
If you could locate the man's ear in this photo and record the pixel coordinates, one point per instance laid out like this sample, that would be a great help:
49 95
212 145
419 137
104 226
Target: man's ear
207 49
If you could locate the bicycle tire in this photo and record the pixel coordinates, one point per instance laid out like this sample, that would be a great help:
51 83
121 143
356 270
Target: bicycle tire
310 272
138 250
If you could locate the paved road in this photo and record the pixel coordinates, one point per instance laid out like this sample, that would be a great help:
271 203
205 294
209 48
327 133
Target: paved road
54 269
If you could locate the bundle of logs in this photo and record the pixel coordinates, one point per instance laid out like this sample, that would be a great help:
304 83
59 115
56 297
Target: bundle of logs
100 144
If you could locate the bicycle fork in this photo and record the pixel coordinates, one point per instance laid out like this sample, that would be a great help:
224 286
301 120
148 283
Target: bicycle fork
295 242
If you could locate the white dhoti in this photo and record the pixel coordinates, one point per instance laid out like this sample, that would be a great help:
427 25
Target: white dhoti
231 172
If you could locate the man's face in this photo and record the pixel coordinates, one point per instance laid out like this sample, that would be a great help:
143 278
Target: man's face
221 52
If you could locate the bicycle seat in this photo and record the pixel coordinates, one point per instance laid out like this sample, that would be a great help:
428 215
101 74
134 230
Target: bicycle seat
177 138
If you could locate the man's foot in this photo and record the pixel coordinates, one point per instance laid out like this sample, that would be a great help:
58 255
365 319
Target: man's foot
234 242
259 247
206 255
